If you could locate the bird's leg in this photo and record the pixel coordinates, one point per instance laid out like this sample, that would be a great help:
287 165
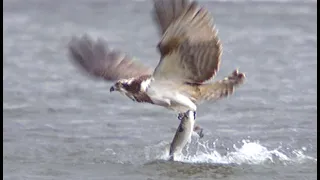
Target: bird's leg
197 129
180 116
187 114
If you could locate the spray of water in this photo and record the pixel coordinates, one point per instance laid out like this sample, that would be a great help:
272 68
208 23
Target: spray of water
248 152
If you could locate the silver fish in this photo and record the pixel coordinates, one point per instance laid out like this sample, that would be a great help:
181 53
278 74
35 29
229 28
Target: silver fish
183 134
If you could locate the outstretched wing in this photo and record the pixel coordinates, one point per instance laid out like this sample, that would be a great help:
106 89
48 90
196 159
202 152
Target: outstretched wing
167 11
190 49
99 61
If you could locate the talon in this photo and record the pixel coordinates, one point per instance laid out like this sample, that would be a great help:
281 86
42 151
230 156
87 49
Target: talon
180 116
188 114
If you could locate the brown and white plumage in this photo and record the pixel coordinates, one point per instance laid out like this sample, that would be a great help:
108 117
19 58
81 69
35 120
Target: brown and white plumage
190 49
98 60
190 55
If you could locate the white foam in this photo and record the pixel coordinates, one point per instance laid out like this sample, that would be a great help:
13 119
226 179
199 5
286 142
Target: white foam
248 153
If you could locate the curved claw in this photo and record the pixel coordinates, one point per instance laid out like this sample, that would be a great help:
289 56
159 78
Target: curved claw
180 116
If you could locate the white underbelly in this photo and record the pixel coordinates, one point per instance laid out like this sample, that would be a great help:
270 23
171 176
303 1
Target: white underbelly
171 99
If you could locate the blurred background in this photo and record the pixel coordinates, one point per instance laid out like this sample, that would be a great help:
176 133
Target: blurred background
61 124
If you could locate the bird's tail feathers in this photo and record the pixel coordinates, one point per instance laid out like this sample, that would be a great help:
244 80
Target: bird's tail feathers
222 88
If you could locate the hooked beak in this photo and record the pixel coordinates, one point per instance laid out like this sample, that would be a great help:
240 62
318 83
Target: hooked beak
112 89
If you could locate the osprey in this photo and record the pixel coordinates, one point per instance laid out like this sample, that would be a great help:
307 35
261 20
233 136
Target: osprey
190 55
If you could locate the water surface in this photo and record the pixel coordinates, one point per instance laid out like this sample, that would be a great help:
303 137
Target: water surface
61 124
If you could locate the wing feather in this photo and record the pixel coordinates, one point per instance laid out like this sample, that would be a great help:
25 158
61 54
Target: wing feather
190 47
167 11
99 61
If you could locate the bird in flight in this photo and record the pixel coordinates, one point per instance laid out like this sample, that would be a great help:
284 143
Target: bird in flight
190 55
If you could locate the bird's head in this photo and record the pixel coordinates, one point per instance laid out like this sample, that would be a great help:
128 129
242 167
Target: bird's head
122 85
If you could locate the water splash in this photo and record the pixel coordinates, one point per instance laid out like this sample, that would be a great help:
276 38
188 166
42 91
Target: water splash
249 152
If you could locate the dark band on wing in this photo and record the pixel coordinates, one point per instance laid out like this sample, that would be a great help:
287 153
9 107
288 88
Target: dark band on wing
191 41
